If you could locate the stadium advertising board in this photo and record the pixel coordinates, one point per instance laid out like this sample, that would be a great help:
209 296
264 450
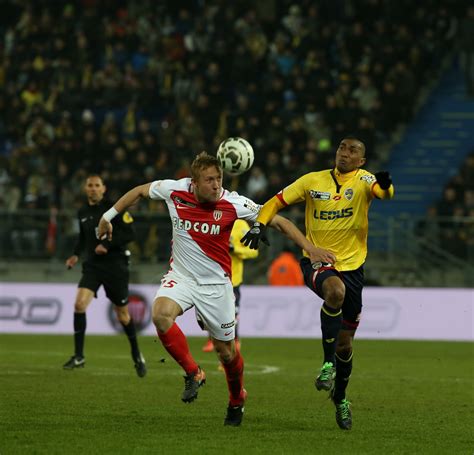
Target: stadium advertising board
293 312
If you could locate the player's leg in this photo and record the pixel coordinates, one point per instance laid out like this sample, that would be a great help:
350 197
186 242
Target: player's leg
333 292
326 282
115 279
352 308
208 345
83 299
233 364
218 312
174 297
128 325
343 373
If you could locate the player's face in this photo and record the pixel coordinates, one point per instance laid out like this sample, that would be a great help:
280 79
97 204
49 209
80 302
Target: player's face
95 189
349 155
208 186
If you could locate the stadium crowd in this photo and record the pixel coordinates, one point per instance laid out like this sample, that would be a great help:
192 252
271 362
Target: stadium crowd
133 90
450 222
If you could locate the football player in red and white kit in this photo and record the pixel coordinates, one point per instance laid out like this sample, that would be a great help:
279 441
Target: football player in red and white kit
202 215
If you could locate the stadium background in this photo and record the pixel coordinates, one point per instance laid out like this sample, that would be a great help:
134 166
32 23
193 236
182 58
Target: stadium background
133 90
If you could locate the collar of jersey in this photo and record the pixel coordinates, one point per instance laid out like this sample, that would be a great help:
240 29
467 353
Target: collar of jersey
344 177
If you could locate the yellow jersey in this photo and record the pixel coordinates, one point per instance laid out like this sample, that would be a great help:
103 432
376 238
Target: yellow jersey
240 252
336 214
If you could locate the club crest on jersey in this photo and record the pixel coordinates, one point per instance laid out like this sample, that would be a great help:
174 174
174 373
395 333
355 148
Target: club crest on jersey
322 195
349 194
217 214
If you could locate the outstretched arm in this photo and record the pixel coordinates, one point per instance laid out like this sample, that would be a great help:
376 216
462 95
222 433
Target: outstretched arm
128 199
288 228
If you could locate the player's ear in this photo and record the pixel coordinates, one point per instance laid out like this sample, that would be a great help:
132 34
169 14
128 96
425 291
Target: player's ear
362 161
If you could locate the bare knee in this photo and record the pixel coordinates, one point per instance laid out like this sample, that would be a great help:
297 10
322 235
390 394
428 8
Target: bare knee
122 314
81 304
164 314
83 299
162 320
334 295
225 350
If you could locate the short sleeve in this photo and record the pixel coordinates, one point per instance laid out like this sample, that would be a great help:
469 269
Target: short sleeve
160 189
296 191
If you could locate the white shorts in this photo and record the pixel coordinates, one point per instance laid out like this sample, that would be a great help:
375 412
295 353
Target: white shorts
214 303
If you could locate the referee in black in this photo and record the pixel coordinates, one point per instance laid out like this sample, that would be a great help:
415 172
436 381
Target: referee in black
104 263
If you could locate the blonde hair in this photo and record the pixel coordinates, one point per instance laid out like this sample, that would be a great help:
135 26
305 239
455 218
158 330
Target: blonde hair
204 161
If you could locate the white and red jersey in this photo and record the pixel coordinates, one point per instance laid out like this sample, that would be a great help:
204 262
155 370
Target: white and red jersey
201 231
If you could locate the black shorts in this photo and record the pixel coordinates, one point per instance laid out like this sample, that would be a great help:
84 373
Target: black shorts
113 275
353 281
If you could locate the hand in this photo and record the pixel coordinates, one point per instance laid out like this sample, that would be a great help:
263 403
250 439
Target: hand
71 261
322 256
104 230
101 250
383 179
253 237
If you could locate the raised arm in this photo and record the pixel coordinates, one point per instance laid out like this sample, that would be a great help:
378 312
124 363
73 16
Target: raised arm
128 199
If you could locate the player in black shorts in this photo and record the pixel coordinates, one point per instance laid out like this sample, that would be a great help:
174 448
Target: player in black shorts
105 263
336 218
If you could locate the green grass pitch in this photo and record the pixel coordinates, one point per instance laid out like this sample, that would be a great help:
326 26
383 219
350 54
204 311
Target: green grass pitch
407 398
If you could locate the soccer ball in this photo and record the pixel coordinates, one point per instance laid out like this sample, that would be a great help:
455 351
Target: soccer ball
235 155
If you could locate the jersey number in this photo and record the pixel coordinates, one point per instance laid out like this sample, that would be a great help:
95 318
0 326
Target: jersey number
168 284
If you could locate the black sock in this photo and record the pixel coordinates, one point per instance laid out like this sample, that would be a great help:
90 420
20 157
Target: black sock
343 373
132 338
331 321
80 324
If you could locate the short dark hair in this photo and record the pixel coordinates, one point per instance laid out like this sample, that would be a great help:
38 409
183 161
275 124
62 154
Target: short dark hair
352 137
204 161
95 175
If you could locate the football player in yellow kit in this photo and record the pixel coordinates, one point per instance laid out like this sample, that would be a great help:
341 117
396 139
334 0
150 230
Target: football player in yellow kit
336 219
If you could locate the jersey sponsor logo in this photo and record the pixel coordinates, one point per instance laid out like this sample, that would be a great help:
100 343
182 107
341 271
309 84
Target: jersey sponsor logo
217 214
337 197
196 226
228 325
368 179
333 214
321 195
349 194
182 204
252 206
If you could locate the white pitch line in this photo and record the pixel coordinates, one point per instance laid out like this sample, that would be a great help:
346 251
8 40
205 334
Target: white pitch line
251 369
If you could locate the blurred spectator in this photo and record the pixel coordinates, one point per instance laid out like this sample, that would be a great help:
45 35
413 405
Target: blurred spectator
285 270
